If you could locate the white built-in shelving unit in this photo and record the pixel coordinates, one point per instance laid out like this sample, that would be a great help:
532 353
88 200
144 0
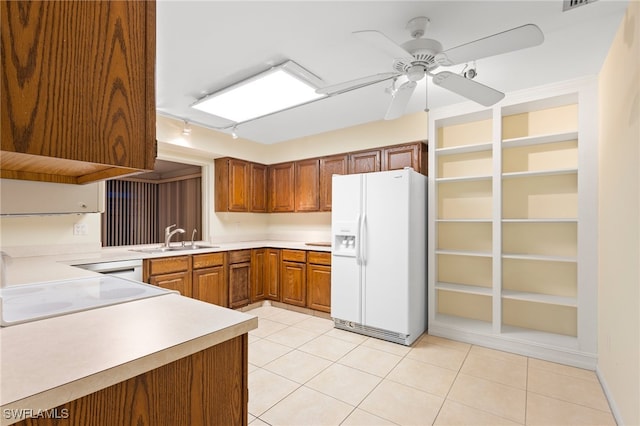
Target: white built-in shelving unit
513 222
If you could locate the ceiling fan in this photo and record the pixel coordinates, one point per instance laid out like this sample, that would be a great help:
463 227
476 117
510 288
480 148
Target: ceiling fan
421 56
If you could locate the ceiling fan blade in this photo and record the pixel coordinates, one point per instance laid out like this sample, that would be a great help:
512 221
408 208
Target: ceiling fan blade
383 43
470 89
514 39
356 84
400 100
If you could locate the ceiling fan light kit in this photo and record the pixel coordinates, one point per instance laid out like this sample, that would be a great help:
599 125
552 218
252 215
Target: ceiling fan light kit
420 56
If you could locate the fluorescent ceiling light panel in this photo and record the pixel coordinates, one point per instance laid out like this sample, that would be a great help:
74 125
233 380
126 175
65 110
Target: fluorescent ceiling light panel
277 89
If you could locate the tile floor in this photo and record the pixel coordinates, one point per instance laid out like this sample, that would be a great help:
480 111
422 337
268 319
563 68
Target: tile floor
302 371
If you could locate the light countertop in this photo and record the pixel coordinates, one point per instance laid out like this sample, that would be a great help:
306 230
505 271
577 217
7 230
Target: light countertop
49 362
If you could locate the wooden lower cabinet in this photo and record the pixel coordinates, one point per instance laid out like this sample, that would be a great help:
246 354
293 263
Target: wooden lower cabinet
209 387
319 281
257 291
272 274
293 277
178 281
210 285
239 278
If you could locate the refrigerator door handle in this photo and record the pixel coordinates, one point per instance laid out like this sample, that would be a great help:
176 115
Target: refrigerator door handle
363 242
357 247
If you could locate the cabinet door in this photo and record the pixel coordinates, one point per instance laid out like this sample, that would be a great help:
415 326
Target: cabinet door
281 187
307 184
410 155
179 281
258 198
364 162
257 291
239 184
210 285
319 287
272 274
78 84
293 283
239 279
329 166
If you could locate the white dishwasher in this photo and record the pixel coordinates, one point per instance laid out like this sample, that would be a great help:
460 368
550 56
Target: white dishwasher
130 269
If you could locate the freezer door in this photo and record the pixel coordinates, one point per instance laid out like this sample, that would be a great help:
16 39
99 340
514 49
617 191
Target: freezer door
385 252
346 283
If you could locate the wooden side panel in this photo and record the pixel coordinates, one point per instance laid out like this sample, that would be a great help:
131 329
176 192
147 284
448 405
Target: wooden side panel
78 80
207 388
221 185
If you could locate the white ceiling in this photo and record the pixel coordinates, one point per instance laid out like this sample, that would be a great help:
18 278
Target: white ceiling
203 46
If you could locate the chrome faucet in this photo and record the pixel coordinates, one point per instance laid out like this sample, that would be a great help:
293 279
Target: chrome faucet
168 233
193 237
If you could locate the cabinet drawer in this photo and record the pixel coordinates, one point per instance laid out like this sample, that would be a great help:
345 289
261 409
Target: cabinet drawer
294 255
168 265
319 257
239 256
208 260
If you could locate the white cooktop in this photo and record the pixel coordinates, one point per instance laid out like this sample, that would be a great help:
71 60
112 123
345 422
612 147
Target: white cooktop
31 302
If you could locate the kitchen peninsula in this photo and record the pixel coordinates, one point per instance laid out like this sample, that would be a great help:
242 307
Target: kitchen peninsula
161 360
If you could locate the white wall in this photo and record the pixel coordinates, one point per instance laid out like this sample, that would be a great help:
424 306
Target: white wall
619 221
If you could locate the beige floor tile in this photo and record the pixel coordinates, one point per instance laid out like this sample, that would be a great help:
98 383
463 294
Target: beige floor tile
253 338
258 422
370 360
579 391
500 400
566 370
501 355
327 347
402 404
307 407
453 344
347 336
344 383
545 411
383 345
423 376
436 354
361 418
292 336
315 325
289 317
252 367
266 327
266 389
263 311
298 366
250 418
456 414
264 351
495 369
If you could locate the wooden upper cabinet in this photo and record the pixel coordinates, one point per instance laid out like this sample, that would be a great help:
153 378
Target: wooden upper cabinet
329 166
281 187
412 155
78 89
307 184
364 161
258 198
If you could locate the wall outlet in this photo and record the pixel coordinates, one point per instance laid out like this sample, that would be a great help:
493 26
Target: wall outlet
80 229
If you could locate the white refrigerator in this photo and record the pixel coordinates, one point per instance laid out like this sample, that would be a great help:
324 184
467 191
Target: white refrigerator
378 260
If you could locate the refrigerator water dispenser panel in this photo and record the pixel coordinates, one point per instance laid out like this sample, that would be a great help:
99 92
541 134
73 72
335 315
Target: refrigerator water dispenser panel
344 243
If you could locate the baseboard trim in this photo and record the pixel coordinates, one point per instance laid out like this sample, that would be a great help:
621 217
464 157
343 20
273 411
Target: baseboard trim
607 393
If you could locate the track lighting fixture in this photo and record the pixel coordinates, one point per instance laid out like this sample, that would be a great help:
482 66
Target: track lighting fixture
233 133
186 129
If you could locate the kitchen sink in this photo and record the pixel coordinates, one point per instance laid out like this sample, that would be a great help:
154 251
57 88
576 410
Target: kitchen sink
163 249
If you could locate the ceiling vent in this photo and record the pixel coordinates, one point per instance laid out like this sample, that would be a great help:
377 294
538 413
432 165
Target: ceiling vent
572 4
